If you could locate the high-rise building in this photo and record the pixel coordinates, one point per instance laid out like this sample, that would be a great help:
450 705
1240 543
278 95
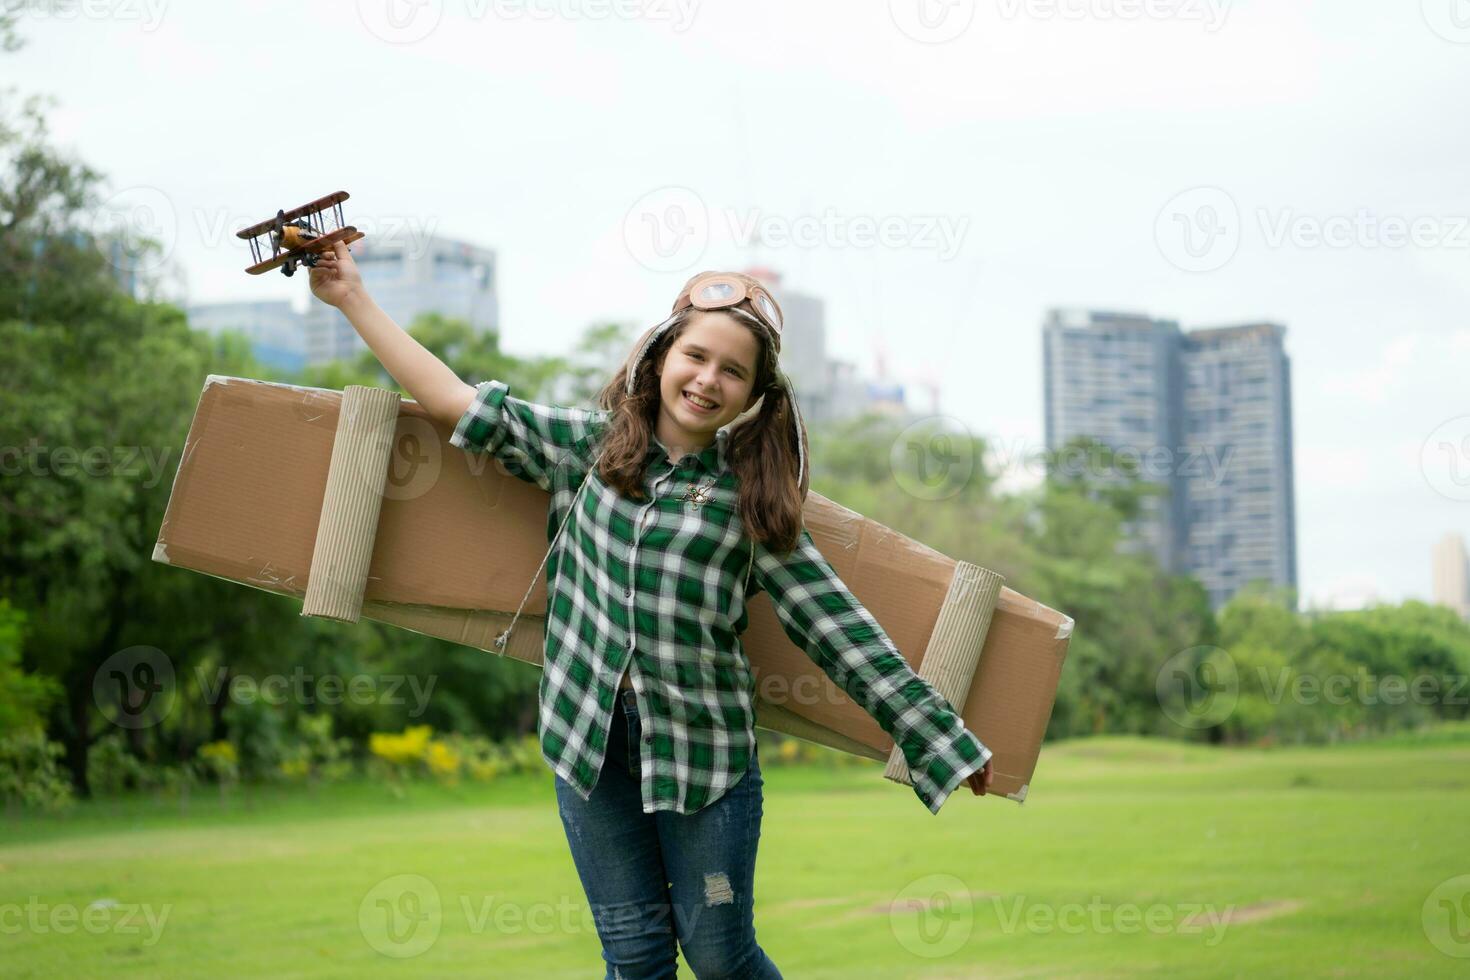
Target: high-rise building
408 277
275 331
1207 415
1451 577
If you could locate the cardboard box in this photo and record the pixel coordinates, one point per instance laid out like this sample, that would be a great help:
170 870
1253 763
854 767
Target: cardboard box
458 541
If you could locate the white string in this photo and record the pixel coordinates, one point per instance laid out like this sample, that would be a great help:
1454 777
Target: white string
504 638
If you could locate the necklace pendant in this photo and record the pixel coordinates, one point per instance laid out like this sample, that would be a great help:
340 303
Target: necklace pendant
697 495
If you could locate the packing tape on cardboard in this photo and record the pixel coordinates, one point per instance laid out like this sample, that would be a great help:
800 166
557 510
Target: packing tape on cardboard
953 654
348 526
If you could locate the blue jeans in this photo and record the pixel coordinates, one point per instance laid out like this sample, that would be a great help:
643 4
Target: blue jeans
652 877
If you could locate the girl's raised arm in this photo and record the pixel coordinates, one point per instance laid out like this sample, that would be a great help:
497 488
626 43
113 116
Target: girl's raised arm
820 615
428 380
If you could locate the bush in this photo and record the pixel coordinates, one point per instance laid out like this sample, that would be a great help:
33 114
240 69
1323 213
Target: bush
316 755
29 775
112 768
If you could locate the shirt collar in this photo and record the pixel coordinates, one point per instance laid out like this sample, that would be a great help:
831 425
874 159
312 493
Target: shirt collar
714 457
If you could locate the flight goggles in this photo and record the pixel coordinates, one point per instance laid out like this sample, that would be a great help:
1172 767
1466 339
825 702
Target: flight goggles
724 291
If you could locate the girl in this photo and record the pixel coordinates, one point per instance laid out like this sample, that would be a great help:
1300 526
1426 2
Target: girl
681 498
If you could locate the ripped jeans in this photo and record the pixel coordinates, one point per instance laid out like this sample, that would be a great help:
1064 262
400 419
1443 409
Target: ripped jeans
652 877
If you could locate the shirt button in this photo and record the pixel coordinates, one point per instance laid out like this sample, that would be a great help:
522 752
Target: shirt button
627 593
648 740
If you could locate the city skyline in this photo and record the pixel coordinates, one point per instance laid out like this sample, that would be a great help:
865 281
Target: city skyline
1029 163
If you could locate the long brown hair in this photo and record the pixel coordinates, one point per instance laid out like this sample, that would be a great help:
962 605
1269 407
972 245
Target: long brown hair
762 450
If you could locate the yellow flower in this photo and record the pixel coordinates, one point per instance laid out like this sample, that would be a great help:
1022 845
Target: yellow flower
223 750
443 761
399 749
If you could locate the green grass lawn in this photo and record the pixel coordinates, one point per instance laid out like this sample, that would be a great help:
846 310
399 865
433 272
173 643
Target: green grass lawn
1132 857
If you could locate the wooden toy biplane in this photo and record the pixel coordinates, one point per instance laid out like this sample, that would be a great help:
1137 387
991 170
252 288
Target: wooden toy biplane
299 235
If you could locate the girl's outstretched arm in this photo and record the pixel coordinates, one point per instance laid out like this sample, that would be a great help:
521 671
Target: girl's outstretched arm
530 439
428 380
820 615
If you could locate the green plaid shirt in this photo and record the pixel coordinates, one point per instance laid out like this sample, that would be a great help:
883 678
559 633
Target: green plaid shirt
659 588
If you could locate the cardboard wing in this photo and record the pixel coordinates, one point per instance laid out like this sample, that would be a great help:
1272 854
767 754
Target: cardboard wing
270 493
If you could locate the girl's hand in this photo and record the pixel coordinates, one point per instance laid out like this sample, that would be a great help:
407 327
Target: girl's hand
334 278
980 781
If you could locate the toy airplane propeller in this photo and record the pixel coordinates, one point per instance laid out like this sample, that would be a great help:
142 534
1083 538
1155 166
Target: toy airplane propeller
298 235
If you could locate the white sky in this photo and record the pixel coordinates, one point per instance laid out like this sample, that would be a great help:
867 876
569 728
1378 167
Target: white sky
1051 139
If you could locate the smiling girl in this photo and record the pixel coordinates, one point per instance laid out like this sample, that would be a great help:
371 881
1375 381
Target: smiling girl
680 498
